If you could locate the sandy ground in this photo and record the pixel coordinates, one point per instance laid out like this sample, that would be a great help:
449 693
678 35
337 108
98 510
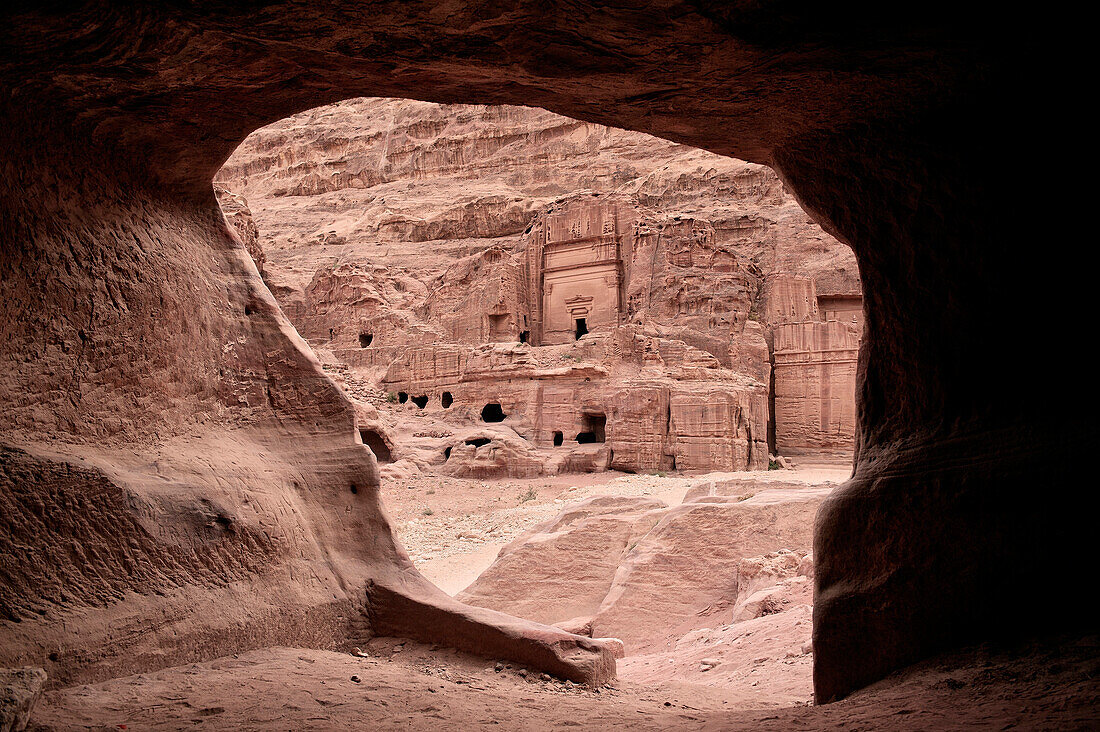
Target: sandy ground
453 528
398 685
395 684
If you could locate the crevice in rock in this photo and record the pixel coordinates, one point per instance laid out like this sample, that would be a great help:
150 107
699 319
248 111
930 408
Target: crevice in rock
377 445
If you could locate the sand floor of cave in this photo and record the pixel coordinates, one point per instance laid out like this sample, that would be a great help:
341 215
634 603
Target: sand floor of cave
1048 685
454 527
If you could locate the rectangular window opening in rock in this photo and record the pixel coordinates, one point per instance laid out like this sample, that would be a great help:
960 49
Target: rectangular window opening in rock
594 428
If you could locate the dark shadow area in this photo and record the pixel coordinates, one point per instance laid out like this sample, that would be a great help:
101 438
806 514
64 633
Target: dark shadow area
595 428
446 400
492 413
420 401
377 445
365 339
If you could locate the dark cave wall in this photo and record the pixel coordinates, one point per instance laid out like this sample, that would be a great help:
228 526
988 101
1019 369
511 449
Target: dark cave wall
891 126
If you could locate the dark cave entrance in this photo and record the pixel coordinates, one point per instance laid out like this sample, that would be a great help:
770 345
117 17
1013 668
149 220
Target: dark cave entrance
446 400
594 429
420 401
402 397
478 441
492 412
365 339
559 438
581 329
377 445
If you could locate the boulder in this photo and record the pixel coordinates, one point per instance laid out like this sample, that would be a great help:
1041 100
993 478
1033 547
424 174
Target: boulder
20 689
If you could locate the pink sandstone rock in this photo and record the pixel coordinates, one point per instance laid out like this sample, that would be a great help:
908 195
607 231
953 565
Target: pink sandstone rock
672 290
637 570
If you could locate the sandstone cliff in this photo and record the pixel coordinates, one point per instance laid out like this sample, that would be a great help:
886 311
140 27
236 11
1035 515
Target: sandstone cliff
630 275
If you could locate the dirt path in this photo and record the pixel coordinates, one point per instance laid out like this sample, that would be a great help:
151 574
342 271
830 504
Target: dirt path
411 687
453 527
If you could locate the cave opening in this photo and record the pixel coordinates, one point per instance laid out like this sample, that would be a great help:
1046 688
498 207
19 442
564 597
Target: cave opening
901 122
581 328
377 445
492 412
524 335
446 400
365 339
559 438
593 428
402 397
478 441
420 401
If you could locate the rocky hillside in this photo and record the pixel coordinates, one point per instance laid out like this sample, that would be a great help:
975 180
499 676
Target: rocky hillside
418 246
416 186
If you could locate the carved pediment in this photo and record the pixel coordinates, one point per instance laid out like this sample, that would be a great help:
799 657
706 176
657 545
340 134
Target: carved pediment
579 305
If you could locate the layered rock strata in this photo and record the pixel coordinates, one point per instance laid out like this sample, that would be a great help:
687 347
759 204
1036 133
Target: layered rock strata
648 574
815 344
635 315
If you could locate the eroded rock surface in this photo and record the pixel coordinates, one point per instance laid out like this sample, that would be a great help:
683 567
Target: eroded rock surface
20 690
625 279
716 590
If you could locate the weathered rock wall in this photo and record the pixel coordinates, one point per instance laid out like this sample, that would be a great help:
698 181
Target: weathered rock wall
498 172
636 569
678 241
815 345
179 478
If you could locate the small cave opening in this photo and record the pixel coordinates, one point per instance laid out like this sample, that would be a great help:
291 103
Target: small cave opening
447 453
377 445
365 339
559 438
492 412
582 328
402 397
446 400
594 430
524 336
478 441
420 401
